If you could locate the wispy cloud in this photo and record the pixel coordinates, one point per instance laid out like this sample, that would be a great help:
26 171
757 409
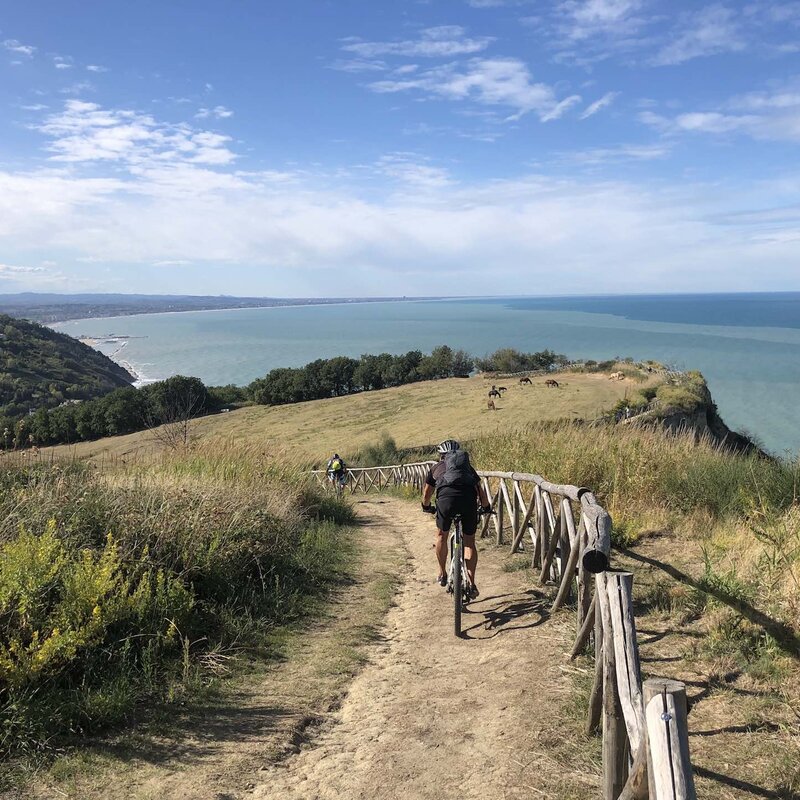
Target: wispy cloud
17 47
701 122
497 3
218 112
96 68
443 41
710 31
412 170
608 155
359 65
584 19
606 100
653 33
10 270
62 62
504 82
766 115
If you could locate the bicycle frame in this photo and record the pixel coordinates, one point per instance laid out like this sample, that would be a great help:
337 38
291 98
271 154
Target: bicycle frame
455 543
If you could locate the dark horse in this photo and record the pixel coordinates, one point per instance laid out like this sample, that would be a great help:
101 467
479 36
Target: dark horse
551 383
494 393
524 380
502 388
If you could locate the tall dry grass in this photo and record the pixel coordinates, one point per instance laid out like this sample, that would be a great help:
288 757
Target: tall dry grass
119 586
645 477
740 512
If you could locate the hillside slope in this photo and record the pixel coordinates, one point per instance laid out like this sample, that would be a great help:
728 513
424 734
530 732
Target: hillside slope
415 415
42 368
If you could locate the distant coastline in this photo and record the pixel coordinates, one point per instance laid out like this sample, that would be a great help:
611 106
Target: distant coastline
52 309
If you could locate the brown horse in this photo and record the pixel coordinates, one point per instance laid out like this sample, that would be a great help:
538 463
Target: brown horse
551 383
494 393
491 406
524 380
502 388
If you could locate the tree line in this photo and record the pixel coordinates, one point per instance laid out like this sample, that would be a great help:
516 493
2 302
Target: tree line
173 402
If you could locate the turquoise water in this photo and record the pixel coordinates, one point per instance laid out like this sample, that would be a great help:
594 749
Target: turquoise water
747 346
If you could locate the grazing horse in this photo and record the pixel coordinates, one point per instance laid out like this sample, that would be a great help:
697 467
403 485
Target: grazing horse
494 393
551 383
524 380
502 388
491 406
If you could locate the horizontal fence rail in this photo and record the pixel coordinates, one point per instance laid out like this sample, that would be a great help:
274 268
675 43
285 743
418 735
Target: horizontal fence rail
643 724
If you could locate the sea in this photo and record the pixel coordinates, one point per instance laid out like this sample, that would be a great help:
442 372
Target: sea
746 345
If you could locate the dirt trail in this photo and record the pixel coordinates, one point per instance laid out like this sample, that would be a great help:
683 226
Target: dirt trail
428 716
433 716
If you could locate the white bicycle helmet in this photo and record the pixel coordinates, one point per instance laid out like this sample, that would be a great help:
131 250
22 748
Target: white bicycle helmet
448 446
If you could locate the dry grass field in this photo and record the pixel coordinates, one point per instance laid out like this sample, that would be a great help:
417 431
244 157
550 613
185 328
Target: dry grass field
414 415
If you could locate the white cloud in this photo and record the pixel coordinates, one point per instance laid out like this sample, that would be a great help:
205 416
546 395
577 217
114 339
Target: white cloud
492 82
583 19
606 155
767 115
606 100
218 112
17 47
359 65
60 62
519 229
410 169
177 200
96 68
9 270
443 41
710 31
85 132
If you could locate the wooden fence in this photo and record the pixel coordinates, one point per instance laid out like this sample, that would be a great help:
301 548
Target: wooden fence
643 724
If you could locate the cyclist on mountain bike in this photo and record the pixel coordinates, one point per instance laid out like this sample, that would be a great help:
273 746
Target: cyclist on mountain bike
458 490
337 470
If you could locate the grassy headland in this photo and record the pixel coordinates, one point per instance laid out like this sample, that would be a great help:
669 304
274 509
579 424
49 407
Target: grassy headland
415 415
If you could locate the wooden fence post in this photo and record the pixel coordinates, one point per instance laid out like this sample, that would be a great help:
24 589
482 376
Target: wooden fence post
585 631
596 697
501 507
669 768
615 737
619 592
584 580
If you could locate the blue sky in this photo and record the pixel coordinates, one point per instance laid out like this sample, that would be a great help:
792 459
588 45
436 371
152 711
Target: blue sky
353 147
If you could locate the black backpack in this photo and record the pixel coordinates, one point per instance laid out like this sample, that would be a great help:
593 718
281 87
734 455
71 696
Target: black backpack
458 472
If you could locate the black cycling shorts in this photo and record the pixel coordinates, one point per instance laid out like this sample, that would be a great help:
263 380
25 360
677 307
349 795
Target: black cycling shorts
448 507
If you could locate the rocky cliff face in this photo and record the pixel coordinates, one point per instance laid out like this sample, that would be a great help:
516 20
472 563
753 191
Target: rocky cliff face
705 422
700 416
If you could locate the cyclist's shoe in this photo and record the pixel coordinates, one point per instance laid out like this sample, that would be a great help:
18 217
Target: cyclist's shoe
473 592
442 581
